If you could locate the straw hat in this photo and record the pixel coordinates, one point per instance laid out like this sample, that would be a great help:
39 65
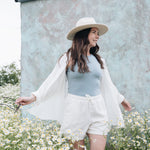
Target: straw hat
84 23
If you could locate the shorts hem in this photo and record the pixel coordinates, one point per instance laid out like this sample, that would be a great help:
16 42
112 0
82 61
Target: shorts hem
100 133
72 136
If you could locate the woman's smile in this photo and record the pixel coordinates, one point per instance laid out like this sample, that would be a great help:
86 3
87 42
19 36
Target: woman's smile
93 37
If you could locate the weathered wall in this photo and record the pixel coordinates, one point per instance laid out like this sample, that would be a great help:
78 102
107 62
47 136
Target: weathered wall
125 47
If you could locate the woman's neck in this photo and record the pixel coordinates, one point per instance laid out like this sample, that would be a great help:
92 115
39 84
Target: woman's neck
88 52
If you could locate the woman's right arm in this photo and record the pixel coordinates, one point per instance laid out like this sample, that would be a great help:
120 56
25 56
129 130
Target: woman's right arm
25 100
48 87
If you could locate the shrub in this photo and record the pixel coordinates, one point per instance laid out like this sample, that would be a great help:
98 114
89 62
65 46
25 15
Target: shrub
9 74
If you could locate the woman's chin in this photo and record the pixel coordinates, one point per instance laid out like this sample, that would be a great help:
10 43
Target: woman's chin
93 45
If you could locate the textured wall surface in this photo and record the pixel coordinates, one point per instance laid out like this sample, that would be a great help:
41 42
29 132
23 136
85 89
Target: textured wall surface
125 47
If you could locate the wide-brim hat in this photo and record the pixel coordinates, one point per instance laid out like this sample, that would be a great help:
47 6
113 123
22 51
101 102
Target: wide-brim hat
84 23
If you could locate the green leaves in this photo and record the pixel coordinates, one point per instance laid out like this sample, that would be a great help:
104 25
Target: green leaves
9 74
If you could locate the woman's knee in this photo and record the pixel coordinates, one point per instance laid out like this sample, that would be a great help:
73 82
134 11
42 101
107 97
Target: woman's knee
97 142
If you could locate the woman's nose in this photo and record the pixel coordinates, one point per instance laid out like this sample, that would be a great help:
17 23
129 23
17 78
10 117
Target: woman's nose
97 36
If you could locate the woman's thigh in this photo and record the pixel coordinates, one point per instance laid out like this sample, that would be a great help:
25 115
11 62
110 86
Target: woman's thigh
97 142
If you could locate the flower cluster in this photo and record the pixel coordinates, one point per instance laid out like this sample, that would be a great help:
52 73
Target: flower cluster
135 135
25 134
22 133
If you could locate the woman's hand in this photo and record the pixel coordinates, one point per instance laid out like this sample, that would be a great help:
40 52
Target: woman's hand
126 105
25 100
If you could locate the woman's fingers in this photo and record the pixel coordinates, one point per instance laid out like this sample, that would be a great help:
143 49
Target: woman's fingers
20 100
17 101
126 105
22 103
129 106
23 100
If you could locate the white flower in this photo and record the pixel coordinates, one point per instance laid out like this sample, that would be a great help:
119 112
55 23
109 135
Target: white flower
14 142
65 145
63 139
6 132
7 141
41 141
59 140
137 137
133 141
138 143
43 135
54 138
2 144
21 130
18 135
137 123
145 141
10 129
69 131
38 148
130 120
49 148
50 142
112 138
43 148
29 137
35 141
7 147
33 145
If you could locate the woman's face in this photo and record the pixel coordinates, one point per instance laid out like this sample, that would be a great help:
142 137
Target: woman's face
93 37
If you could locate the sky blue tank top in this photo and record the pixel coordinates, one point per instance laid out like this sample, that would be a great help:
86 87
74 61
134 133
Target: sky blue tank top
85 83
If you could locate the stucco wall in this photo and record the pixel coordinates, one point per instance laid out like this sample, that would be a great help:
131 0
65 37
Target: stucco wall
125 47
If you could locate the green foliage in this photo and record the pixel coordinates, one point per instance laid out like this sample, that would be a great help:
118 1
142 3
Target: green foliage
9 74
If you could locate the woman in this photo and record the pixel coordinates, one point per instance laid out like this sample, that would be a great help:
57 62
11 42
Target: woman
79 92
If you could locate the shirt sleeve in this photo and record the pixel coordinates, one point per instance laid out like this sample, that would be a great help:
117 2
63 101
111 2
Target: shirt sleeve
120 97
49 86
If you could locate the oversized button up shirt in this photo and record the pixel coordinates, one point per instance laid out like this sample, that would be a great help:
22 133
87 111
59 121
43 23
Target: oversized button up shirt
51 95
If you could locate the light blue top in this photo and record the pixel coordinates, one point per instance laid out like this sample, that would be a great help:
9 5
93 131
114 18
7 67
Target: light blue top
85 83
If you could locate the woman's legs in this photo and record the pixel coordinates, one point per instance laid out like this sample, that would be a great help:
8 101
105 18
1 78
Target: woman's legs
97 142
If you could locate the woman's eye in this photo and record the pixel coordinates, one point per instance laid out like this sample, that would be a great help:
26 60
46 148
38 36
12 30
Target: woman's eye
95 32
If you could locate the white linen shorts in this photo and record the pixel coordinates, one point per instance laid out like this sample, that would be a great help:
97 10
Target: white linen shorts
84 114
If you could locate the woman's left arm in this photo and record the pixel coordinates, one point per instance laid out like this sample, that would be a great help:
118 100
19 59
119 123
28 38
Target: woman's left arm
121 99
126 105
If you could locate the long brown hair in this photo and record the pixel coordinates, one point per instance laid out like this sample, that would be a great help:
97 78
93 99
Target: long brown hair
79 49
